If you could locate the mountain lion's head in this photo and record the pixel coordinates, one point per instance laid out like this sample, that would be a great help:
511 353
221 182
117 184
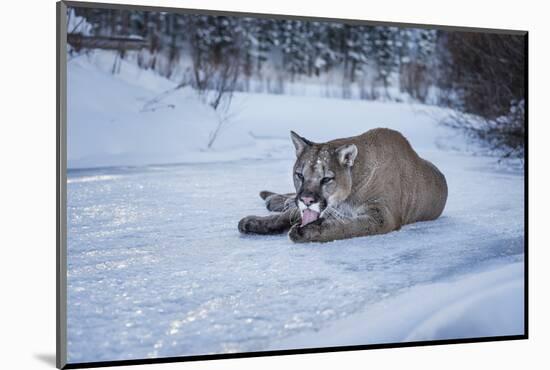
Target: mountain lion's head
322 176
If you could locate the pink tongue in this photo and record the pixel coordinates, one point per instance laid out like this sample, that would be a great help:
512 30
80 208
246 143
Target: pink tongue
308 216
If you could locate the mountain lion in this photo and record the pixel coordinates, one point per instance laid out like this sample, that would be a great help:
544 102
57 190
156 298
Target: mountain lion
368 184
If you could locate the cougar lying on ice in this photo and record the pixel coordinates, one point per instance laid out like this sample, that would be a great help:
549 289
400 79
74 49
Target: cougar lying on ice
369 184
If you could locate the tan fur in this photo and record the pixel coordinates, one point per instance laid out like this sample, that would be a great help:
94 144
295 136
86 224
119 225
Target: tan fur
380 184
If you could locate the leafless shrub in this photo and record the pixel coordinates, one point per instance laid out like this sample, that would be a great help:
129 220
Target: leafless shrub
155 103
484 75
505 135
221 94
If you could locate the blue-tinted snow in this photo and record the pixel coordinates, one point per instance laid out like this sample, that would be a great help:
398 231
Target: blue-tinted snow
156 266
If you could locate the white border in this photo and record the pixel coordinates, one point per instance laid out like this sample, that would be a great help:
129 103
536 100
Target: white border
28 187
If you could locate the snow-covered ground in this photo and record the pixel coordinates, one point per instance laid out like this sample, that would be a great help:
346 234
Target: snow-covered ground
156 266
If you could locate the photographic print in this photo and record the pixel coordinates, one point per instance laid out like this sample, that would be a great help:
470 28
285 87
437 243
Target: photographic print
243 184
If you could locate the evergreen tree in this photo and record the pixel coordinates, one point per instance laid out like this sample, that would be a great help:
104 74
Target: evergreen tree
385 52
295 47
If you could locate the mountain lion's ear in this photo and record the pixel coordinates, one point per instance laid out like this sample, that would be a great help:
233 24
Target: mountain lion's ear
299 143
347 154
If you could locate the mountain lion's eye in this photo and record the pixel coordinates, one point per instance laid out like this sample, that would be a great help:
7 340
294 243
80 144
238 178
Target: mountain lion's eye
326 180
299 175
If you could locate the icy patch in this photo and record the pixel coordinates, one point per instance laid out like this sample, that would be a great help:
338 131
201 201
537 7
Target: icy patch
91 179
157 267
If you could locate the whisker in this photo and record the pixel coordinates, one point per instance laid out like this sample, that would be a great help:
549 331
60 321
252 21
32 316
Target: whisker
294 215
338 213
334 214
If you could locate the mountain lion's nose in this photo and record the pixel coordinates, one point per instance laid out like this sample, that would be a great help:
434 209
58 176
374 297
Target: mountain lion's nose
307 200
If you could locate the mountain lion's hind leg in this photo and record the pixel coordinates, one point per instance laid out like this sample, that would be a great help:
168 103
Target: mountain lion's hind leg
278 202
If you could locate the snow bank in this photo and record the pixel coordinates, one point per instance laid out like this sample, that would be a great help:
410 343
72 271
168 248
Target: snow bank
108 125
136 118
482 304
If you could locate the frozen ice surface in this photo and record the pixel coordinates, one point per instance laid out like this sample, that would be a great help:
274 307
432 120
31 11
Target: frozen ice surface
156 266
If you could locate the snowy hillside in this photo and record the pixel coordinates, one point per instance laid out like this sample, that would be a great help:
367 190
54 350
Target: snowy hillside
156 266
135 118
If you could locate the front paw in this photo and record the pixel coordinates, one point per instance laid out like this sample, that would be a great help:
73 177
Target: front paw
308 233
249 224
